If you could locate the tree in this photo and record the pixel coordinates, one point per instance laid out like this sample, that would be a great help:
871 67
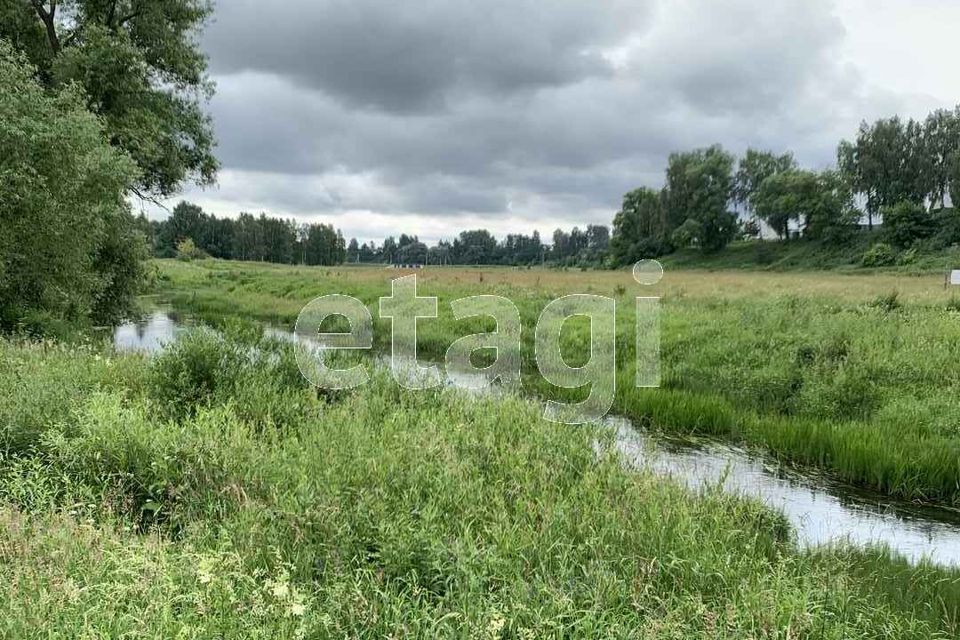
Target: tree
888 163
389 251
942 134
474 247
783 197
187 250
143 72
69 247
755 167
639 228
820 202
954 173
688 234
699 187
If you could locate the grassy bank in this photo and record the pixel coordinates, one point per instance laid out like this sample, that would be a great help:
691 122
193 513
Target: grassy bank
208 493
856 373
814 255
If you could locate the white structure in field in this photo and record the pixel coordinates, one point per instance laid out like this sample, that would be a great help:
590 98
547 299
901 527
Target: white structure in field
955 277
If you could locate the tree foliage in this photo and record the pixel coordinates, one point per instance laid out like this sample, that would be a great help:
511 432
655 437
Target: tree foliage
906 222
819 203
755 167
141 69
69 247
699 187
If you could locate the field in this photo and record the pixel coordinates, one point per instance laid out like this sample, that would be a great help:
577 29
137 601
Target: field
854 373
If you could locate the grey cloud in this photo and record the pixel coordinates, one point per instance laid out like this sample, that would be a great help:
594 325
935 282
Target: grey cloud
409 56
519 110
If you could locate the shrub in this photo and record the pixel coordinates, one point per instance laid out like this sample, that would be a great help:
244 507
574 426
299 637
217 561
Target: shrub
905 222
880 254
887 302
187 373
187 251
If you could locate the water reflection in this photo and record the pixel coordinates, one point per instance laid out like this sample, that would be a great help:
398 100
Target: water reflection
150 333
820 511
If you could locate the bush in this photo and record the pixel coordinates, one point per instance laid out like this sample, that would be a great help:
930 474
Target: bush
887 302
187 373
880 254
187 251
904 223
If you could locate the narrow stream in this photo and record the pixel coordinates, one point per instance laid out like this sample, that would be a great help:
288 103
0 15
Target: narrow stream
820 510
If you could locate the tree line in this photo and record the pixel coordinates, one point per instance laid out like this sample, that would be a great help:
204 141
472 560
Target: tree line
189 233
903 173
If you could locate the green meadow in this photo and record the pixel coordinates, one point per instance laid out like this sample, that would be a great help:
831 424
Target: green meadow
854 373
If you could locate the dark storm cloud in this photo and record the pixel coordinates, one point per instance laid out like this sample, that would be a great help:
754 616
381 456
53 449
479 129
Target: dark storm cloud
412 55
535 110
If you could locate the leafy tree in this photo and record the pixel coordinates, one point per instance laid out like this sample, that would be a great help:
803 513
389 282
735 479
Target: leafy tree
830 215
754 168
888 163
413 252
954 177
324 245
389 251
688 234
699 187
941 131
187 250
353 251
143 72
69 247
820 202
474 247
639 228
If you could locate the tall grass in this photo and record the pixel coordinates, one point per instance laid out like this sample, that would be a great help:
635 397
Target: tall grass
385 513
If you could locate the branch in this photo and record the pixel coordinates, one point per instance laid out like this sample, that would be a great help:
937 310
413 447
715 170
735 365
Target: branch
127 18
145 197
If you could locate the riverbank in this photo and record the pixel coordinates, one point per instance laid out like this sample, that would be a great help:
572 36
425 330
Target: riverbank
211 482
856 374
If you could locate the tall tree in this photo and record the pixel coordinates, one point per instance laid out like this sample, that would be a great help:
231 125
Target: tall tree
942 133
639 228
143 72
699 187
755 167
888 163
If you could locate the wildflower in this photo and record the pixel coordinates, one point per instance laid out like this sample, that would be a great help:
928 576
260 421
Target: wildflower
280 590
495 626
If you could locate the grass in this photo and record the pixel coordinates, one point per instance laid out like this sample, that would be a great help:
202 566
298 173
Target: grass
209 494
855 373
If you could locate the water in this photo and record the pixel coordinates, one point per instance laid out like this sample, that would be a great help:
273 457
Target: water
820 510
150 333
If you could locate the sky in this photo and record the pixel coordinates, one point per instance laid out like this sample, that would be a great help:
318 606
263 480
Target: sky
428 117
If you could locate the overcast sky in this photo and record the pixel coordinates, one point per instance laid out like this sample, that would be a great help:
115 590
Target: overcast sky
432 116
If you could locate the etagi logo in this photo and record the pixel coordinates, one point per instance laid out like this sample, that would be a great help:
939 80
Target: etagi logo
404 308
